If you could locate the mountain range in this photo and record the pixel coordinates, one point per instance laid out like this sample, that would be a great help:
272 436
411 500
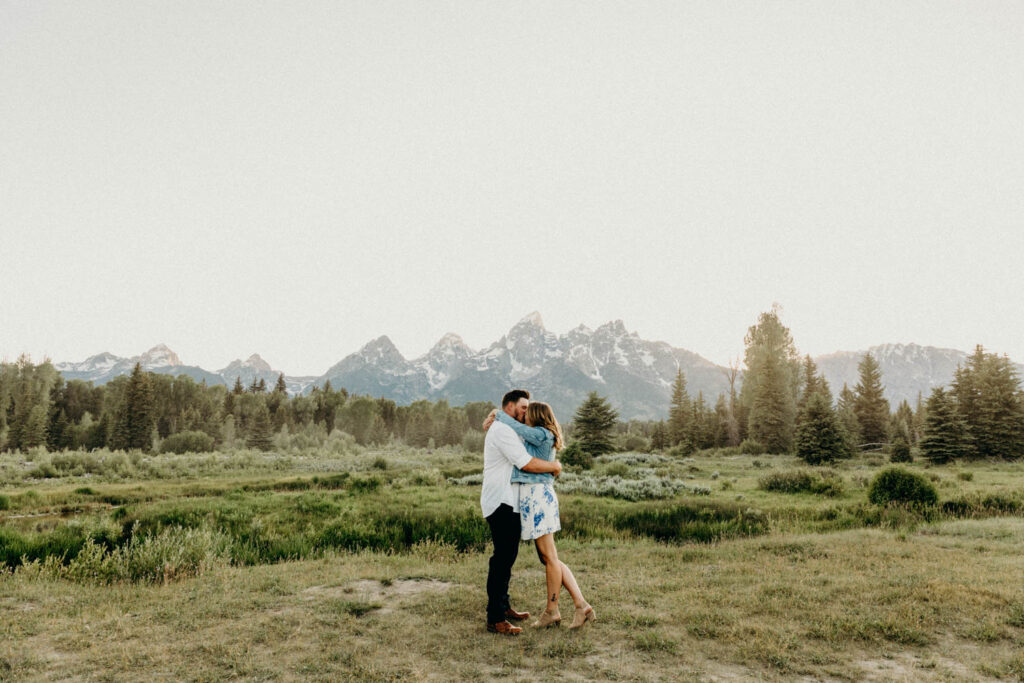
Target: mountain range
635 374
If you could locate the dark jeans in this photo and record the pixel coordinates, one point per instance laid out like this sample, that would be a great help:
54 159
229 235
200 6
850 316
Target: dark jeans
504 523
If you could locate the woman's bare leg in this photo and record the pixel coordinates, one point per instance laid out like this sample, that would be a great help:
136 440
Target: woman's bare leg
569 581
552 570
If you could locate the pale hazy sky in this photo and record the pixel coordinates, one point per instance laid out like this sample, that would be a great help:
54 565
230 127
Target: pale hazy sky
297 178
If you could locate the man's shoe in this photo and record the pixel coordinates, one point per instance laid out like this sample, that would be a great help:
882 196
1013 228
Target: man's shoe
513 615
504 628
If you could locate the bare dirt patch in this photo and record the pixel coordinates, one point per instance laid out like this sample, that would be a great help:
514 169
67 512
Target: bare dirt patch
389 595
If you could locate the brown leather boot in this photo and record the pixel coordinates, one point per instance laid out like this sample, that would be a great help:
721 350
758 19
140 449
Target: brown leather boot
504 628
513 615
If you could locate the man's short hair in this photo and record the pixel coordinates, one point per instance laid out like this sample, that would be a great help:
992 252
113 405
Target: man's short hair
514 396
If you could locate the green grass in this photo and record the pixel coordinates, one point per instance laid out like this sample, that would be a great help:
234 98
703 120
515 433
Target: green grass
249 565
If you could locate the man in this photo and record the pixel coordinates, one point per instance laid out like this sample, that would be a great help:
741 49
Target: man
499 502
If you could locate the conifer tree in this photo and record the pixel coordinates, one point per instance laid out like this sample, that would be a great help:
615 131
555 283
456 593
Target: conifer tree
987 393
281 387
593 424
135 419
727 432
870 406
35 430
812 383
58 435
680 415
260 430
946 435
239 389
771 415
920 413
848 419
420 429
819 435
902 423
659 436
702 424
771 383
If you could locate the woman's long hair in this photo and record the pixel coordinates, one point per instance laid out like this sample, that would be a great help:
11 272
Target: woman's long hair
539 415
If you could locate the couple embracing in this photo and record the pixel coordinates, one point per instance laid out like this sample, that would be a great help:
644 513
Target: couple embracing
518 501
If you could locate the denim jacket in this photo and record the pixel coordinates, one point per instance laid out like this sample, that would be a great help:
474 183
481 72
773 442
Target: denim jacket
539 443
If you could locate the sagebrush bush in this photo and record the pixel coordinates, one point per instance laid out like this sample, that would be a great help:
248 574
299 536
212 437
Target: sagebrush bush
897 485
648 488
751 447
473 441
187 442
802 481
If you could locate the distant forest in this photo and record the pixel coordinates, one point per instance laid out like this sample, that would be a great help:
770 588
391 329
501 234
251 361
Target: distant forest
783 406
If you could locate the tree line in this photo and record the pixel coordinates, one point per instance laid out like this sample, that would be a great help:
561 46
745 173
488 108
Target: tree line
784 405
147 411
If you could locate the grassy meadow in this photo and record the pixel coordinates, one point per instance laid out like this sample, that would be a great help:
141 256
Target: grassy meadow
338 562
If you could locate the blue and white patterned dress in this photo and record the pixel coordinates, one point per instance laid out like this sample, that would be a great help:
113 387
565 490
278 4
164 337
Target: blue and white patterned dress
538 511
538 504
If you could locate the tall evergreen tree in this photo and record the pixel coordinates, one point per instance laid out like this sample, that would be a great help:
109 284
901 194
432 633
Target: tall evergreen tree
819 435
902 423
988 396
680 415
771 383
238 389
260 430
135 418
871 407
281 387
727 430
702 424
593 424
812 383
946 435
659 436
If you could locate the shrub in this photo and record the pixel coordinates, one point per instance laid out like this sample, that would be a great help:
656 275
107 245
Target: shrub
44 470
897 485
617 469
704 523
751 447
802 481
5 502
473 441
900 451
574 456
965 476
793 481
187 442
648 488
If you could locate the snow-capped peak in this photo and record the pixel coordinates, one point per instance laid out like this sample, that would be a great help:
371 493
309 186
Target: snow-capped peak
257 363
450 339
381 348
158 357
532 319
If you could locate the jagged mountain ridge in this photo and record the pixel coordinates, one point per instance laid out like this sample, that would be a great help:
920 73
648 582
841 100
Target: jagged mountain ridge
103 367
907 369
636 375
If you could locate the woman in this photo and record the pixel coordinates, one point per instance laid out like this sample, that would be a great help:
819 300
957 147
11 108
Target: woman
538 510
